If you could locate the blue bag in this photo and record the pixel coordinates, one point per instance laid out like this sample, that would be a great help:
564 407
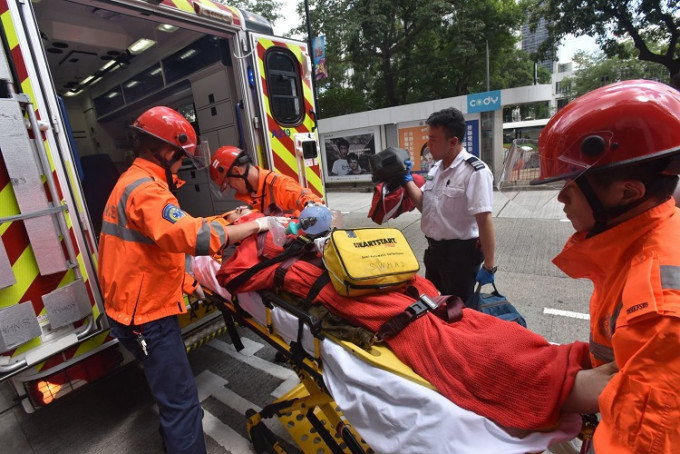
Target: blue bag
495 304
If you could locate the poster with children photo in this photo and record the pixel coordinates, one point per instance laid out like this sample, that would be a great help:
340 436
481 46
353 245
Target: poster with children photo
347 156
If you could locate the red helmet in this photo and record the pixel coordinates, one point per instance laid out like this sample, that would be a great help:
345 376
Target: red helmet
169 126
223 160
619 124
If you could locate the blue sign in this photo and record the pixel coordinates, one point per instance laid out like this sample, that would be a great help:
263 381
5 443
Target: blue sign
484 102
471 139
319 56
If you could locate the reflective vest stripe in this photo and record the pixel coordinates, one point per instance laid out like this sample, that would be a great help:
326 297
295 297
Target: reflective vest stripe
670 277
204 234
203 239
601 352
120 229
124 233
122 203
219 228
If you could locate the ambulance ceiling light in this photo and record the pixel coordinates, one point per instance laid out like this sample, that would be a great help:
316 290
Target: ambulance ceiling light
167 28
109 66
140 45
187 54
71 93
87 80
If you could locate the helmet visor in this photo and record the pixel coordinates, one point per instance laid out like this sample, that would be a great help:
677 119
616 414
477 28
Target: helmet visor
200 158
220 189
521 167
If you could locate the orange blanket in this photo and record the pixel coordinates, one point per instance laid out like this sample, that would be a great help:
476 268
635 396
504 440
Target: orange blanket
494 368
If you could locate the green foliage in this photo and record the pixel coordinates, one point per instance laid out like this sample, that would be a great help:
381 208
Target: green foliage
653 26
265 8
595 70
340 101
395 52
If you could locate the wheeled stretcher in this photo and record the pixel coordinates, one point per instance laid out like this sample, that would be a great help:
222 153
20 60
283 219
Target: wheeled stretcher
353 400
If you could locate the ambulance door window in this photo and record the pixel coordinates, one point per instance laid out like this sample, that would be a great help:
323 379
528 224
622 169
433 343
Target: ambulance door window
282 73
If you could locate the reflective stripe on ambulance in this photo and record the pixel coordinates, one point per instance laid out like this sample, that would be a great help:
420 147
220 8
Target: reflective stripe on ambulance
282 145
191 6
30 285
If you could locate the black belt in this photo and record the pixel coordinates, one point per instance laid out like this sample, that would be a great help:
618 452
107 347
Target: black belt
434 243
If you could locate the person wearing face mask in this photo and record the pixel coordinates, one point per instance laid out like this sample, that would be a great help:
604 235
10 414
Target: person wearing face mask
615 155
264 190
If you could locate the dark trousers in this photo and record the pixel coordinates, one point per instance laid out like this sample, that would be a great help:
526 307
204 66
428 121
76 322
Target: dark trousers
171 381
452 265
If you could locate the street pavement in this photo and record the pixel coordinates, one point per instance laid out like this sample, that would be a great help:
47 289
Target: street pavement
117 414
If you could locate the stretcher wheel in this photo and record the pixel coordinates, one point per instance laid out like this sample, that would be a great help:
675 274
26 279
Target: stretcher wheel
264 440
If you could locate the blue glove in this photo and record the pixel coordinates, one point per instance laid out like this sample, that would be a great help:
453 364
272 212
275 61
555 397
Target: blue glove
408 177
485 276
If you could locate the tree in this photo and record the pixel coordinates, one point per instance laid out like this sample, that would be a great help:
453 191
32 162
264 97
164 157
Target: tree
646 22
340 101
595 70
394 52
268 9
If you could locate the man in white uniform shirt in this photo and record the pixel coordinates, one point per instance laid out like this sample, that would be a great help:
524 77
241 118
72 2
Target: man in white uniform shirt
456 202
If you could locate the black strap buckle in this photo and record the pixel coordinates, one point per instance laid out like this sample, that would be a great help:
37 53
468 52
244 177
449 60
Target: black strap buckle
421 306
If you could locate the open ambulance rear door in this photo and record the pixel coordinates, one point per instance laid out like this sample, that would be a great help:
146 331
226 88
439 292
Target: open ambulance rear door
50 305
283 78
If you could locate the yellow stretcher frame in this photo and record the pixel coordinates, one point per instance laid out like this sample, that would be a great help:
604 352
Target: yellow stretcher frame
307 412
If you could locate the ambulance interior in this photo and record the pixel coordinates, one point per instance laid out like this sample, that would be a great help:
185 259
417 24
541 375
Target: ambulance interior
110 66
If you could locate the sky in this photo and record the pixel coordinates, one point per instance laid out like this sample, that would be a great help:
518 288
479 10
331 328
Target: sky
570 46
289 20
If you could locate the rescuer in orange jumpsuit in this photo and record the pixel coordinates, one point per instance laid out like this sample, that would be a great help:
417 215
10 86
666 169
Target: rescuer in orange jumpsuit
144 239
262 189
617 149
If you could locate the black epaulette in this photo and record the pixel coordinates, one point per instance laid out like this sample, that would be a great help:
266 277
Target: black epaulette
475 162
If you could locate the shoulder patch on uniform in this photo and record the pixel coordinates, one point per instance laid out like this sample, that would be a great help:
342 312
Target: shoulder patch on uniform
173 213
475 162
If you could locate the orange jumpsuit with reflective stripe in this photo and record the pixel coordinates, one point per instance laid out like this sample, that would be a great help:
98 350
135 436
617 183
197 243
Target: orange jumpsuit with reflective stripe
144 239
634 320
281 190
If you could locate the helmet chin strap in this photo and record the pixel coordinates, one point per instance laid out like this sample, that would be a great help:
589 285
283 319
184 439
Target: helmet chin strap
167 165
602 214
244 176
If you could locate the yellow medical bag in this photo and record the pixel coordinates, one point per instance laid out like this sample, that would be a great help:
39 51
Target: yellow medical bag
362 261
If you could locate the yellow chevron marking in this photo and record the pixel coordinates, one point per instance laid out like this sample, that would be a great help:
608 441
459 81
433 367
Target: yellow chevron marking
23 348
91 343
25 270
69 277
77 196
184 5
27 89
12 39
9 206
288 156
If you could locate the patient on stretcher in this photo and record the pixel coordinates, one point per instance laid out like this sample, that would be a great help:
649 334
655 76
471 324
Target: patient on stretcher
494 368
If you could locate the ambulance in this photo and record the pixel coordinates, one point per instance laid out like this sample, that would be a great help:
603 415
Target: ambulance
74 74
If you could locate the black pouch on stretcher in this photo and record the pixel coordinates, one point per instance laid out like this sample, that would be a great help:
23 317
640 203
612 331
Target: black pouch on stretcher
363 261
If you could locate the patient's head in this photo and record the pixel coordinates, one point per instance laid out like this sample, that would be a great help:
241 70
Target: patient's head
235 214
